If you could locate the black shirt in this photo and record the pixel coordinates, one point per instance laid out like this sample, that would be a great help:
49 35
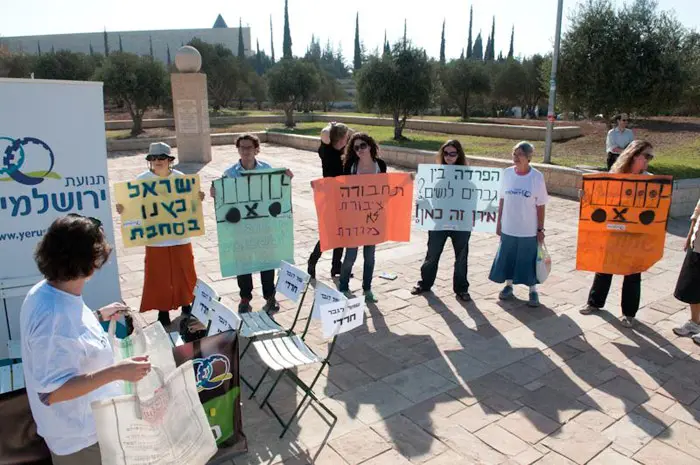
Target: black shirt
331 160
380 162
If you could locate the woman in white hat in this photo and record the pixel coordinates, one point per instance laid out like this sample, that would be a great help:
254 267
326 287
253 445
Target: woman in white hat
170 275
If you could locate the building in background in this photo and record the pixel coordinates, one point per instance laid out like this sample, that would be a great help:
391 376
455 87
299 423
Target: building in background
138 42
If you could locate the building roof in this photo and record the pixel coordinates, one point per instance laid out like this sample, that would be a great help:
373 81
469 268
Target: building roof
220 23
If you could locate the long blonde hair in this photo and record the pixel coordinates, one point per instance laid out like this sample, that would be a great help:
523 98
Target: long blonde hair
626 158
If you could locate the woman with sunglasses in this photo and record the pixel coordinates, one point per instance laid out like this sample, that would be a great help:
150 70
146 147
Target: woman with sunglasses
634 160
170 276
451 153
520 224
361 157
67 358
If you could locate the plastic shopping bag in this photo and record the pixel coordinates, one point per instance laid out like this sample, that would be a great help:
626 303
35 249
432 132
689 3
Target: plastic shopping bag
544 263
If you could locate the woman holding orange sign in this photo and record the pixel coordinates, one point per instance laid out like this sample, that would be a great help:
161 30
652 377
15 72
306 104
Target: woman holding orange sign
361 157
633 160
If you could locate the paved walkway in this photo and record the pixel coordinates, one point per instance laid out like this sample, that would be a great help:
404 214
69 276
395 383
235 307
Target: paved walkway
431 380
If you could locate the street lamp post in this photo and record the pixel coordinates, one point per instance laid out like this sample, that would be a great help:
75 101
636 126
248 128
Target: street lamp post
553 87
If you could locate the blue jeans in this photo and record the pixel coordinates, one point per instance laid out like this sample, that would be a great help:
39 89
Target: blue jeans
349 261
436 244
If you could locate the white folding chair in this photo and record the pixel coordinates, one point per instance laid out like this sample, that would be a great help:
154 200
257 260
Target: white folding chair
285 353
293 283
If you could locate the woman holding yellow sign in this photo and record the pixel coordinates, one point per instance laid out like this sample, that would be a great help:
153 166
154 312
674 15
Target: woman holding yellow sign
170 275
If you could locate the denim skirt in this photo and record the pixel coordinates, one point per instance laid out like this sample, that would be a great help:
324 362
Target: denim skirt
516 259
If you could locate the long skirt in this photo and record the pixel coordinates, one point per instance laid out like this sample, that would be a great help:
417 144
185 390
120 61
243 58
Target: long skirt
170 278
516 259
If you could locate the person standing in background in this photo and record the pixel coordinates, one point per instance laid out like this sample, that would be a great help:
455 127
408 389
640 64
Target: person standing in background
618 138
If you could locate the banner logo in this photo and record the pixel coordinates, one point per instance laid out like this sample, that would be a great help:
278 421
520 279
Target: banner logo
212 372
13 158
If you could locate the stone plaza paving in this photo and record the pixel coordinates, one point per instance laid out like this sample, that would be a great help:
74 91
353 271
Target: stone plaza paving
432 380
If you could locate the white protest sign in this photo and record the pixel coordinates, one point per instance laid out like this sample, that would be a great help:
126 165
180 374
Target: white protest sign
324 295
292 281
204 295
457 198
223 318
50 165
341 317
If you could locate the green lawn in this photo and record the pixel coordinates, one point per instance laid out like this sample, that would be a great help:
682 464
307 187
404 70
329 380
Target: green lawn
681 160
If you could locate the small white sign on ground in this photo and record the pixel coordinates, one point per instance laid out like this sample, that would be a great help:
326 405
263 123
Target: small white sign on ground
223 318
204 295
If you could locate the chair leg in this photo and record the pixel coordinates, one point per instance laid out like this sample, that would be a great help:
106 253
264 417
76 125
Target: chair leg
274 385
257 386
308 392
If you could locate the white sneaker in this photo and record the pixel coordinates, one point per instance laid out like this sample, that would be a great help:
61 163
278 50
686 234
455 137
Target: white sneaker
627 321
696 339
689 328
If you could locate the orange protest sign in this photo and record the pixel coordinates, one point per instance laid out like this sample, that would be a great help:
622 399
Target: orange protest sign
364 209
622 222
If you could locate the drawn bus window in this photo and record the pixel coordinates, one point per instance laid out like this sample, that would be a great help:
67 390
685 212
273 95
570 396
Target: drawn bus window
253 196
625 203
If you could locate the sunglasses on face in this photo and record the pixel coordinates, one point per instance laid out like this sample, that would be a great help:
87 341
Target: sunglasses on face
157 157
360 146
649 156
450 153
93 220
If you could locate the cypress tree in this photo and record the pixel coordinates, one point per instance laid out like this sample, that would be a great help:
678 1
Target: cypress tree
287 42
478 50
405 36
241 45
442 44
38 48
469 40
92 52
492 49
150 46
104 36
121 49
357 59
170 60
387 47
512 37
272 42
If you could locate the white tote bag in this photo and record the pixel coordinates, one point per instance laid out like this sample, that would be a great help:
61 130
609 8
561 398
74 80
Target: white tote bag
151 340
544 263
164 427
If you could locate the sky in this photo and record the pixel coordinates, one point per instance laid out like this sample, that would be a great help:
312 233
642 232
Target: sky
533 20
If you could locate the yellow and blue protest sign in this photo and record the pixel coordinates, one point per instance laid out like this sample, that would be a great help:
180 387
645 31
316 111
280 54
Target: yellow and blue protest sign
160 209
254 221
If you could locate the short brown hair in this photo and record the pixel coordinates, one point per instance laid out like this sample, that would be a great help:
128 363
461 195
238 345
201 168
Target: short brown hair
338 131
251 137
73 247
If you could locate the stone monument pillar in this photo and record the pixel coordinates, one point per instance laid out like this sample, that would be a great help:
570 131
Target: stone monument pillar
191 107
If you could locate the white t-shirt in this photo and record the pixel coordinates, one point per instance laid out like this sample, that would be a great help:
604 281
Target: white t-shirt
521 196
61 339
150 174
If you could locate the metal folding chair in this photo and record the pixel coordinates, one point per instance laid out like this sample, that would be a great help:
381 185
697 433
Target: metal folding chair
286 353
260 324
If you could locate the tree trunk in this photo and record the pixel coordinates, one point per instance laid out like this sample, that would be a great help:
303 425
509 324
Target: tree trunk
137 124
398 129
240 103
465 108
289 113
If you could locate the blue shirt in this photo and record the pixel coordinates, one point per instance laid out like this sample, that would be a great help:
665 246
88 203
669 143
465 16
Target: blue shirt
237 170
61 339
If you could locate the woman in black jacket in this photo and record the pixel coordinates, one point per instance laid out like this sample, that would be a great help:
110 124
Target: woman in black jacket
334 137
361 157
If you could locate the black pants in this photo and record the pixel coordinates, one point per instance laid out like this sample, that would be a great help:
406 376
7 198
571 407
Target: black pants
436 244
612 158
631 292
245 284
316 255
